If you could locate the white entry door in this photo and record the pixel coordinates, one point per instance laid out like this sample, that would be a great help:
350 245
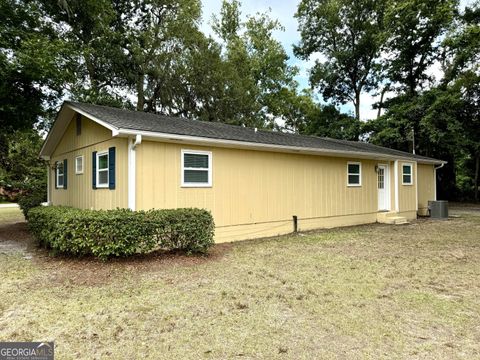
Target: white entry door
383 186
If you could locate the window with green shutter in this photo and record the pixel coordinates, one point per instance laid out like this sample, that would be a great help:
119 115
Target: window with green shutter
196 168
60 174
102 169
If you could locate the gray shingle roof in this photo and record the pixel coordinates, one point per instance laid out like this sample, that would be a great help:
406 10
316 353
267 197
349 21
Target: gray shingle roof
141 121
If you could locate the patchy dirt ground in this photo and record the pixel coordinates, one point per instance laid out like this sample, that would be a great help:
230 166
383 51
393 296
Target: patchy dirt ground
375 291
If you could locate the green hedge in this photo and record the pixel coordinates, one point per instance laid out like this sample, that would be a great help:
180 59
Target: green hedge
30 200
121 232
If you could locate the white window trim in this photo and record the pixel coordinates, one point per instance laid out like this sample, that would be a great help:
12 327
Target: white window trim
83 164
102 153
57 175
411 174
183 168
359 173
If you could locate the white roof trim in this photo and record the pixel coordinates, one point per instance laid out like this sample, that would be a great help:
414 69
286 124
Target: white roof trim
95 119
269 147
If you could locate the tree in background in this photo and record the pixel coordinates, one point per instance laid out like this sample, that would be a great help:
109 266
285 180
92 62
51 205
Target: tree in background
462 78
258 74
349 35
32 60
445 118
87 29
305 116
414 29
158 38
22 171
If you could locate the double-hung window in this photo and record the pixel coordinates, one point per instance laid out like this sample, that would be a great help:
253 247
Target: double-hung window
102 169
196 168
79 164
354 174
407 175
60 174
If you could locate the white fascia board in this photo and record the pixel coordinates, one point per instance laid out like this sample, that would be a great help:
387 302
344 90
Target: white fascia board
49 135
112 128
157 136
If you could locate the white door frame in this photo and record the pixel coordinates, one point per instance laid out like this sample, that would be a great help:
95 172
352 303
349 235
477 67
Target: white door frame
386 187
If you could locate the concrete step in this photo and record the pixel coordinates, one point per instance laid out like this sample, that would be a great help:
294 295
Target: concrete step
398 220
391 218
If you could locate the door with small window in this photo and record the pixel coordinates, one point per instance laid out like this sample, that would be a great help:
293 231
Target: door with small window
382 186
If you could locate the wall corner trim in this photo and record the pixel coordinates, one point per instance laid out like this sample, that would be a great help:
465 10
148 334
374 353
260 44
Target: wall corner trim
132 144
415 174
395 172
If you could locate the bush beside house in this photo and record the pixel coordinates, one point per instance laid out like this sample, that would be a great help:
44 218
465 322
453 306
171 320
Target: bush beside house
30 200
121 232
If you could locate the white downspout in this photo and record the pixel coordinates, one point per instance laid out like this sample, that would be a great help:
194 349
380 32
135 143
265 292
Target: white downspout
395 175
132 144
435 179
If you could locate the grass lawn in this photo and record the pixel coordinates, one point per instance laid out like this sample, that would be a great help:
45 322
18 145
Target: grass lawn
8 215
377 291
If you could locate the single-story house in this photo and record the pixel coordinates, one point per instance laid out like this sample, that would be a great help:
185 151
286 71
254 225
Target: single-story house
253 181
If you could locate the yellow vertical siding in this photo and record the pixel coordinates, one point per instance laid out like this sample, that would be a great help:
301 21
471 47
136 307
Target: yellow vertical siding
407 193
92 133
79 192
256 193
392 184
426 187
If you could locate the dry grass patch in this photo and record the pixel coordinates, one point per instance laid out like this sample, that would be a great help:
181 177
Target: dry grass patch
372 291
9 215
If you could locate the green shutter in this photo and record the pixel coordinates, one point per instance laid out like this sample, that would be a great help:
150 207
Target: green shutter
111 168
65 167
94 170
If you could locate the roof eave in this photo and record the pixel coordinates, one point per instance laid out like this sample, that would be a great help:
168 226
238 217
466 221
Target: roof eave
196 140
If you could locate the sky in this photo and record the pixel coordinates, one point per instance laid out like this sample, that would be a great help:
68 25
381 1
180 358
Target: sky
284 11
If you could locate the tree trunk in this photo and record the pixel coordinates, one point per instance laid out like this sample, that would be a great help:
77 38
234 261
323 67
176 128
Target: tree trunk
380 104
140 92
477 170
357 105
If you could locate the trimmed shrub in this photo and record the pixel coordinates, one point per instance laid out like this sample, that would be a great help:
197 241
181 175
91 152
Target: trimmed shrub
121 232
30 200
